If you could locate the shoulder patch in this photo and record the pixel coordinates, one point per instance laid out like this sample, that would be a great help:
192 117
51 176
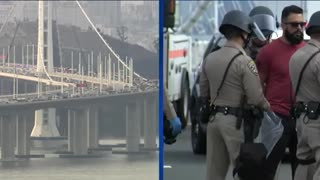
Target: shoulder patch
252 66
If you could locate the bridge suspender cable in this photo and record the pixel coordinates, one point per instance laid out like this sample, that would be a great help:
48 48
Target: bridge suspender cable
95 29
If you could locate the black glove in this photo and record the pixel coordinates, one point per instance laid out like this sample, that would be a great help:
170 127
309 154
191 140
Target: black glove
258 114
169 137
253 119
169 141
205 109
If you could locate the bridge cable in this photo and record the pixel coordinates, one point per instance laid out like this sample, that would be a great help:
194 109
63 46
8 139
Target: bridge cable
95 29
83 62
12 40
7 18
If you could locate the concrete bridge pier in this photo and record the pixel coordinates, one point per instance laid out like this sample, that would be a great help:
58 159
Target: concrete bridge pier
7 137
79 137
62 121
1 86
93 127
23 137
71 123
150 118
45 124
45 133
80 132
133 116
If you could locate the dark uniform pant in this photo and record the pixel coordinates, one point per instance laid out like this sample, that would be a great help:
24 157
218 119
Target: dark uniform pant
288 139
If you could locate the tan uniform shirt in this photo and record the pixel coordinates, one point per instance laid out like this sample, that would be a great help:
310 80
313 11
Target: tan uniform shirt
310 83
242 78
168 107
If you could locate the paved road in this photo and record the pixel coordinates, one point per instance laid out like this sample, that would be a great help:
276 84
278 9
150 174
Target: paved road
187 166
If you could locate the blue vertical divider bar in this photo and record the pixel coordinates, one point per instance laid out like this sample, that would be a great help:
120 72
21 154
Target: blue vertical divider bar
161 151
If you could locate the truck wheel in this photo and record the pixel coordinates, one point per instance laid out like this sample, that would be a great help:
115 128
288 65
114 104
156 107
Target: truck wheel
198 136
183 102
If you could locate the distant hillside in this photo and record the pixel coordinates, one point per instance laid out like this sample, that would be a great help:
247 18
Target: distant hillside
145 62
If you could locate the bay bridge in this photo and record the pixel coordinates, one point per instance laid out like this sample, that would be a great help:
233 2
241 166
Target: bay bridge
90 83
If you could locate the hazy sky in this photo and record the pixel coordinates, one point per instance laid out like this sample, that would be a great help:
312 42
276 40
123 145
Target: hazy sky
206 22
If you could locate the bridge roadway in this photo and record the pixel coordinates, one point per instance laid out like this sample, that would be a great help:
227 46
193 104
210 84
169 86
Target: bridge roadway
75 102
36 79
82 122
90 79
34 94
20 74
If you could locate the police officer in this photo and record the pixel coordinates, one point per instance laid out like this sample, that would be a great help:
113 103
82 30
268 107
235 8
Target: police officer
308 101
172 123
266 22
223 138
264 18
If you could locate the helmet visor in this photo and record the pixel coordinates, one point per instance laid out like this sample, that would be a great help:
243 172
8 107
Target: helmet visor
265 22
257 32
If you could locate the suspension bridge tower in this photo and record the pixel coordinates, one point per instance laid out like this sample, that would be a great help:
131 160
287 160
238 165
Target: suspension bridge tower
45 45
45 119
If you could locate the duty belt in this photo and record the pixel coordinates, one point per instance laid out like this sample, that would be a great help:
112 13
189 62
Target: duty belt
312 109
226 110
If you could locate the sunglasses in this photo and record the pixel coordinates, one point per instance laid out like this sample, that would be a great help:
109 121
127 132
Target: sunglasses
296 24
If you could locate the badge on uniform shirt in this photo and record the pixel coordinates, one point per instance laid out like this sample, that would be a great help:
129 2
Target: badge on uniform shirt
252 67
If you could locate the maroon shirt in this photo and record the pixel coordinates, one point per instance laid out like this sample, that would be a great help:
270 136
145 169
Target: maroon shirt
273 64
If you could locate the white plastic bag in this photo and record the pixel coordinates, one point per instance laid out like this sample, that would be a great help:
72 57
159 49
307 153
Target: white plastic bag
270 131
